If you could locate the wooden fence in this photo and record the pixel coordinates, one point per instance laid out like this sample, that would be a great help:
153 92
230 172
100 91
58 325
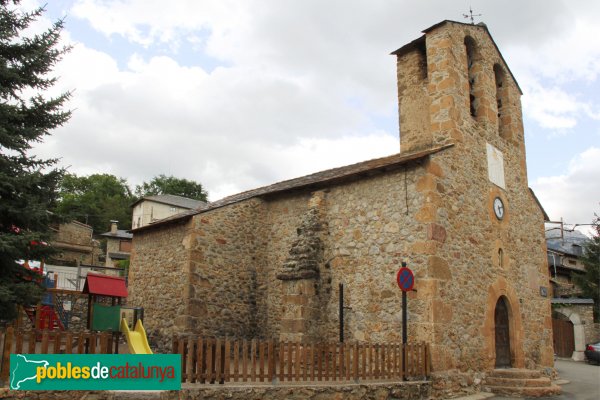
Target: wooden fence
19 341
219 361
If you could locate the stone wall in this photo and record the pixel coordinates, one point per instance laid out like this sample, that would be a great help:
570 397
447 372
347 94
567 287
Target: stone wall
435 213
590 329
74 233
367 233
226 246
74 242
159 281
400 391
481 257
282 216
409 390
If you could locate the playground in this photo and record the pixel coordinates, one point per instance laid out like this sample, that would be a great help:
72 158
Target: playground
110 326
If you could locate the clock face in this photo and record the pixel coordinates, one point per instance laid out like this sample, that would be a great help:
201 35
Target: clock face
498 208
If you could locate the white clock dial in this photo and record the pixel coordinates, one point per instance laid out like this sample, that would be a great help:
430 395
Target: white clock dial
498 208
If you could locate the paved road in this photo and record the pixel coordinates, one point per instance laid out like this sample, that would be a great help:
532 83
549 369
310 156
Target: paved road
584 381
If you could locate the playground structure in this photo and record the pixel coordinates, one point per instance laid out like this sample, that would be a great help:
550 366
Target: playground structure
105 312
137 340
114 317
50 313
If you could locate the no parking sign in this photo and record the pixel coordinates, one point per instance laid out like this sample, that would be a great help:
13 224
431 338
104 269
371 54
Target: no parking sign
405 279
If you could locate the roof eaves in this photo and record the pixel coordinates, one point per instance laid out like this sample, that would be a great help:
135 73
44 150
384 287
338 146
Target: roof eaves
571 301
316 180
415 44
546 218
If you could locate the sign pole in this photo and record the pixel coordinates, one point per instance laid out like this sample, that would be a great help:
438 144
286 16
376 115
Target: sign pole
404 335
341 313
406 281
404 319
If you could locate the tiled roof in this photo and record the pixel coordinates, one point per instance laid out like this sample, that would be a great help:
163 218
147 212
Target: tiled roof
309 182
173 200
105 285
566 243
120 234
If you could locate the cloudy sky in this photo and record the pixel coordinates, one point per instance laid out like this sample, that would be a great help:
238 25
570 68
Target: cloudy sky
238 94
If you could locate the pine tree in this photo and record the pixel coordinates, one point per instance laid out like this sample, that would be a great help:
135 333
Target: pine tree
27 184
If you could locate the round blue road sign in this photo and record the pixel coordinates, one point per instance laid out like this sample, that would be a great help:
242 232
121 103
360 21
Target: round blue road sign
405 279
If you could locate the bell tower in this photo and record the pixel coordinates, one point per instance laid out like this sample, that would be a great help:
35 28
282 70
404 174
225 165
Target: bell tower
453 83
454 87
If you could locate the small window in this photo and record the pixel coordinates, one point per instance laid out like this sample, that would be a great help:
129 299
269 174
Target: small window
572 262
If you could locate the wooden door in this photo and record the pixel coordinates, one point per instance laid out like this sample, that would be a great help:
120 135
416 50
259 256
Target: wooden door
502 335
563 337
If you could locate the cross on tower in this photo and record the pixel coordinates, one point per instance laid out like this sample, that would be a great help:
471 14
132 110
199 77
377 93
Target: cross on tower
471 16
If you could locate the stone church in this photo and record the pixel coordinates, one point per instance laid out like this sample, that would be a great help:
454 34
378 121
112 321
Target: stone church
454 204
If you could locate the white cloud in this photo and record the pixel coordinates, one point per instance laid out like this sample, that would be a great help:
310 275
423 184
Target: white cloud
301 85
221 128
552 107
574 195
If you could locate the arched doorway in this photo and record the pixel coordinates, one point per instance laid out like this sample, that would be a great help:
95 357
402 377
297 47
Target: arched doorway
563 335
502 334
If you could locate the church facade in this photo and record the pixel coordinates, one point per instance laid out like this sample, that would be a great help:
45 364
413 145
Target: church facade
454 204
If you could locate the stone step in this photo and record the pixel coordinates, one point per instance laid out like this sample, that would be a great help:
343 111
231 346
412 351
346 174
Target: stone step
551 390
531 382
515 373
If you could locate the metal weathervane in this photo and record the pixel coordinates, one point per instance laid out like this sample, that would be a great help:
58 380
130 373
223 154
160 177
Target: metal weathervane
471 16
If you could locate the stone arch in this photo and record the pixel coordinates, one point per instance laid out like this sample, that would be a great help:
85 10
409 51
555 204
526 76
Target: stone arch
578 331
501 99
473 71
501 289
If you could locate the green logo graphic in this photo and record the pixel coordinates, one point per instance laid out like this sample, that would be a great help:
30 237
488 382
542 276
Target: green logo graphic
95 371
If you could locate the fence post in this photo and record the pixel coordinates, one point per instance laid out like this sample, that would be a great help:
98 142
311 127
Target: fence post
8 339
236 360
244 360
175 345
181 351
209 361
355 362
218 364
281 360
69 343
190 361
200 361
38 316
227 358
271 362
261 360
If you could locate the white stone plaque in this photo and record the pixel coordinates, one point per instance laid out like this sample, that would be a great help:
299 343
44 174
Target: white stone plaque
495 161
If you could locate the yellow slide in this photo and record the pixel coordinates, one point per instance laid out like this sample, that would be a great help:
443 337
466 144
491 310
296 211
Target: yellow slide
136 339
